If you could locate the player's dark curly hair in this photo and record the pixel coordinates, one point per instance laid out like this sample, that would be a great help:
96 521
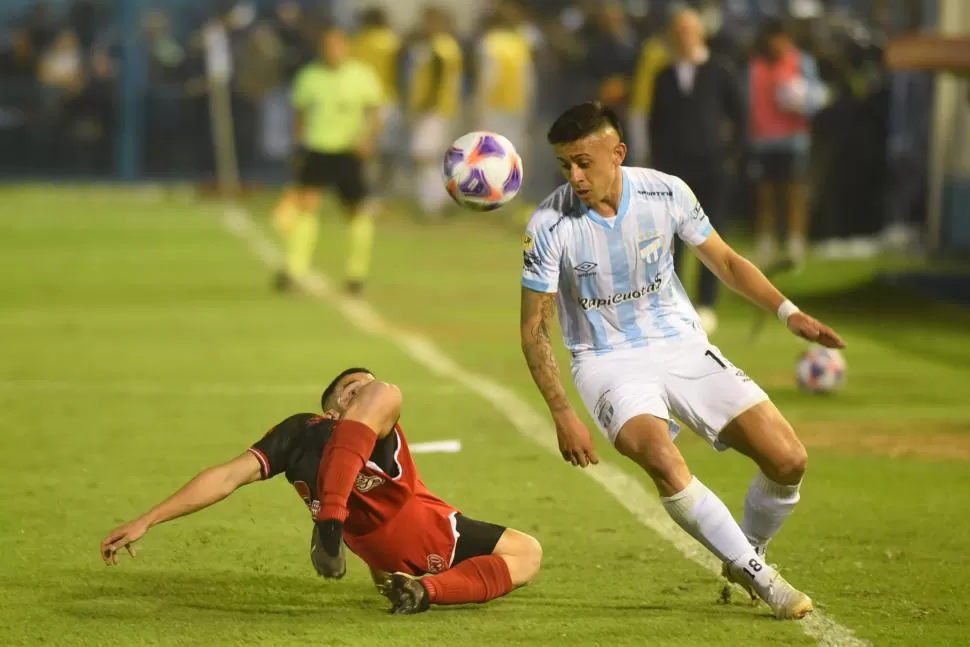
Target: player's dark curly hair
328 392
581 121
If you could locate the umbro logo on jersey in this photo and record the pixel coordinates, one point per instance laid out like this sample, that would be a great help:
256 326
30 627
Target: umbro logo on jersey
585 269
656 194
366 482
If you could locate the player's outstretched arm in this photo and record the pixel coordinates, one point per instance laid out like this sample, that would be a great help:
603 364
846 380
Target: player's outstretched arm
742 276
209 486
537 312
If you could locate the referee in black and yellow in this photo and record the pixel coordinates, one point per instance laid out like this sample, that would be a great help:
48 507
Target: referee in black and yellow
337 120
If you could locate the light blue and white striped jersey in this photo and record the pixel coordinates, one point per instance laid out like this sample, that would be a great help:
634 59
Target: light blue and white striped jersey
615 276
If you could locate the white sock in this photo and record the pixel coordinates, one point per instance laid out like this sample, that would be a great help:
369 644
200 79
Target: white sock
705 518
766 507
432 195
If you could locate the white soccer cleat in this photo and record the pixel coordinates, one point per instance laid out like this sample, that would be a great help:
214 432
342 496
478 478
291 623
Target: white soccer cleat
786 602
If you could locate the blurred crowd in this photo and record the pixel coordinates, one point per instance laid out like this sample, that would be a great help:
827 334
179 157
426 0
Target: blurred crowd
66 73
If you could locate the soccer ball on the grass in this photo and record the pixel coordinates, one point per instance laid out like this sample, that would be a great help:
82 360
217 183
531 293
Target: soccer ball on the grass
821 370
482 171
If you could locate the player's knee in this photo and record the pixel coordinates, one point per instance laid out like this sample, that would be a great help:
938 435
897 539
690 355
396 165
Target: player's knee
533 558
527 560
789 467
659 461
377 404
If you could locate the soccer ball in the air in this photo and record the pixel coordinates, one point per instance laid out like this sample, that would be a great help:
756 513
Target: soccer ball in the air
821 370
482 171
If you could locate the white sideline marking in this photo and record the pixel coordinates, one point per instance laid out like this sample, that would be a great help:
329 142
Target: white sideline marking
436 447
627 490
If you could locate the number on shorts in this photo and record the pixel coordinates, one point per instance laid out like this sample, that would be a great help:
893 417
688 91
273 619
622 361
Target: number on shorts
712 355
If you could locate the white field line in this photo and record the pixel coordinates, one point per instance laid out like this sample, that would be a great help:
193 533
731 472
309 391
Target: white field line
627 490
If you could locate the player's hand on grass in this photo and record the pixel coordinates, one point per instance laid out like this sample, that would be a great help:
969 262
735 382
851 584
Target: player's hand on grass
122 537
813 330
575 440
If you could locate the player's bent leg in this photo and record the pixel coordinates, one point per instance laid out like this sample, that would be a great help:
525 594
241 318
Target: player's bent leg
763 434
301 236
696 509
522 554
490 561
287 210
645 439
360 213
371 414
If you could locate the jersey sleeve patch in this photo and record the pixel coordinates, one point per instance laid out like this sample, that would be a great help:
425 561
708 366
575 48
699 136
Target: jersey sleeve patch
542 252
691 223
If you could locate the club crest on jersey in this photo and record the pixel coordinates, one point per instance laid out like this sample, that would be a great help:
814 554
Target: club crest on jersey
436 563
528 242
366 482
650 247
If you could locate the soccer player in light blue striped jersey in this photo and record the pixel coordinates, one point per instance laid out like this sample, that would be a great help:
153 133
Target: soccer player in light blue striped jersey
599 250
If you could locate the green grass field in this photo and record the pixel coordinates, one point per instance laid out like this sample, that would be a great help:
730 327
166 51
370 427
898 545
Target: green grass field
139 342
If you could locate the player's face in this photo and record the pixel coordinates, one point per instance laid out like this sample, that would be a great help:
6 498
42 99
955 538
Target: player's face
333 47
348 387
688 33
778 44
589 164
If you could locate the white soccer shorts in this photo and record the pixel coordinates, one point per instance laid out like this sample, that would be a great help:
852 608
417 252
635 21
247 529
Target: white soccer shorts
689 380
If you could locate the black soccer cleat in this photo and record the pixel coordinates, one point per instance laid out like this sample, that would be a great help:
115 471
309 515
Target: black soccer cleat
408 595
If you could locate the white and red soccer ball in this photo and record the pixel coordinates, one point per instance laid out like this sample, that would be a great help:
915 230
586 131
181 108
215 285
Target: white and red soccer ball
482 171
820 370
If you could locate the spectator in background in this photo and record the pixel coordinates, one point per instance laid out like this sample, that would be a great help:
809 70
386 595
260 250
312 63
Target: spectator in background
611 54
695 96
258 73
784 92
435 88
503 101
60 70
93 117
378 46
165 110
61 75
295 34
654 57
18 61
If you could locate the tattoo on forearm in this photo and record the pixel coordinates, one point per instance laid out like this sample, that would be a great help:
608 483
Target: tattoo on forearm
537 346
